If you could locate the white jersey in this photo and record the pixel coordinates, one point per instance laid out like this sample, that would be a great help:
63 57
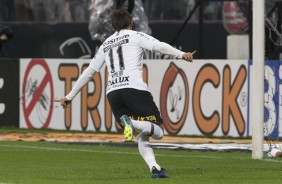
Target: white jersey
123 54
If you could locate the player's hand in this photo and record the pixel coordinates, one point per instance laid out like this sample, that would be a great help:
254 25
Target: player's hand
188 56
64 102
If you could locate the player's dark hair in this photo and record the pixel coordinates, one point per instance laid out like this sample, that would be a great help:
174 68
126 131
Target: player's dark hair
121 19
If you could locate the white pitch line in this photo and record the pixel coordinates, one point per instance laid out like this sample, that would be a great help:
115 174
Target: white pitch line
96 151
67 149
271 160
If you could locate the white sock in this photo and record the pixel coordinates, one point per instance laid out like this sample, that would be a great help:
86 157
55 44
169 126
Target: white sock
146 151
148 128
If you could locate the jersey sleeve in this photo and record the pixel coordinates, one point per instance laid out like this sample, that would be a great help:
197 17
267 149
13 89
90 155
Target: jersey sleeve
83 79
98 61
152 44
145 41
165 48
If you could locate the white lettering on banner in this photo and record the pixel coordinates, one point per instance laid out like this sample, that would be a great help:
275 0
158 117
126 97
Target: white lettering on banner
270 90
272 99
280 102
2 105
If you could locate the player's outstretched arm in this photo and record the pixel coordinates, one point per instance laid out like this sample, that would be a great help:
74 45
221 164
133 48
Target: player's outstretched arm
83 79
165 48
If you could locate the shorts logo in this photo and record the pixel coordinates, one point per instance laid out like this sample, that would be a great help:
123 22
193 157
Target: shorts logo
151 118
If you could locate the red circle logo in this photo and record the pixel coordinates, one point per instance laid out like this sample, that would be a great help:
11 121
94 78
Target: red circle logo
36 101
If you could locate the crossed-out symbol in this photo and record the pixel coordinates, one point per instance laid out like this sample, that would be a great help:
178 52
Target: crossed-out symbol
46 80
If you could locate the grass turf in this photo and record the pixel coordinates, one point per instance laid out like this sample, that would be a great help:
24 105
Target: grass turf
43 162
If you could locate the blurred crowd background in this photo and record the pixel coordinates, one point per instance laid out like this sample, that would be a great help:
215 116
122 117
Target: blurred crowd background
210 21
80 10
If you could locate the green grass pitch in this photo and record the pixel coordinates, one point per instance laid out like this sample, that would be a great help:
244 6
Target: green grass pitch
45 162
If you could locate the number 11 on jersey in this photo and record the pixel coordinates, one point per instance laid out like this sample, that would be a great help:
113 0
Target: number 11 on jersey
119 58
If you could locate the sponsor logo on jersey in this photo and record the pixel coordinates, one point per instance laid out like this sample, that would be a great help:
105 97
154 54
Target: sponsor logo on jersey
115 45
117 74
115 40
118 80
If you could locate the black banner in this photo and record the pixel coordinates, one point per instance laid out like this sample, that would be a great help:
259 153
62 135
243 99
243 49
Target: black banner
73 40
9 92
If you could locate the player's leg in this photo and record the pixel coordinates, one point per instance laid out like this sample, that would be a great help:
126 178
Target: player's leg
143 108
118 106
147 153
119 109
139 102
132 127
145 130
148 128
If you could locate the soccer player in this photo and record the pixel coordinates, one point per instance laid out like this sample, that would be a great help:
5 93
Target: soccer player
127 93
274 153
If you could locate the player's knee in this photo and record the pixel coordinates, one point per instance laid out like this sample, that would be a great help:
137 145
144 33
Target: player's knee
158 132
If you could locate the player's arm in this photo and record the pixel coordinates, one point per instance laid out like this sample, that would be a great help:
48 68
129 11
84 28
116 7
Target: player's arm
83 79
94 66
165 48
150 43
